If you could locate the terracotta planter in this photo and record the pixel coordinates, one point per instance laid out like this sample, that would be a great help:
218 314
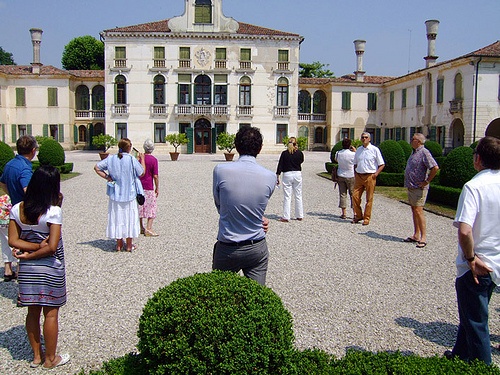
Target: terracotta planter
174 156
103 155
228 156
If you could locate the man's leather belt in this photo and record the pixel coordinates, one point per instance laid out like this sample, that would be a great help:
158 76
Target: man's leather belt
242 243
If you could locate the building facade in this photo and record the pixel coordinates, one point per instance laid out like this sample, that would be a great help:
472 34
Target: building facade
203 73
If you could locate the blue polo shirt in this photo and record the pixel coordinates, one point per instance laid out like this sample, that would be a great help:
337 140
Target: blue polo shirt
17 175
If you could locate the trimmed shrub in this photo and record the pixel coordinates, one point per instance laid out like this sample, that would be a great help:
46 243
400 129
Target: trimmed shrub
335 148
40 139
434 148
440 160
51 153
394 156
458 167
390 179
216 323
474 145
6 154
444 195
329 167
407 149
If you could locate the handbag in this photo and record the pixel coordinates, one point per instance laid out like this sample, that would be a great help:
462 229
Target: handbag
139 197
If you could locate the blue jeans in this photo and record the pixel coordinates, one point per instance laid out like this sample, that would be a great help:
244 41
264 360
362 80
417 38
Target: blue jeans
473 337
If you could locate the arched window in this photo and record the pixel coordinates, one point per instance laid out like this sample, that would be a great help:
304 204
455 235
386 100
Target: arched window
245 91
319 102
282 94
203 11
202 90
82 133
304 101
82 98
458 87
159 90
121 90
98 98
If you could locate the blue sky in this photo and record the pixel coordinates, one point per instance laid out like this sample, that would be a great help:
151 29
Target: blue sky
394 29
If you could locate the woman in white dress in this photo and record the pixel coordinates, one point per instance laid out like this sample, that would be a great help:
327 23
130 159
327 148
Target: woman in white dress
35 236
122 171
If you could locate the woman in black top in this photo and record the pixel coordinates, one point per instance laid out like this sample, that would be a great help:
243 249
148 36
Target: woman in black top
290 164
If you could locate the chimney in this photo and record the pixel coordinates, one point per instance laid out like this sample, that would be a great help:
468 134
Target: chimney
36 39
432 28
359 46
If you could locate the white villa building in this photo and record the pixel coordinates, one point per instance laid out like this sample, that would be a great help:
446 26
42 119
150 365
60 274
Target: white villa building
203 73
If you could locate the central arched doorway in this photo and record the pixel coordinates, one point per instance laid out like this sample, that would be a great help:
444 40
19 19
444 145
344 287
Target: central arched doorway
457 133
202 136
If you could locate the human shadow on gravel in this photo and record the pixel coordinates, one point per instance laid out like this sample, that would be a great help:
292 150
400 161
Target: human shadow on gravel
9 290
16 342
325 216
384 237
440 333
104 245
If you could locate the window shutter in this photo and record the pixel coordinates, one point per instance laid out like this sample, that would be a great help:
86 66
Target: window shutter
14 133
325 135
120 53
214 138
75 134
159 53
190 137
386 134
440 90
220 53
184 53
29 129
60 131
245 54
45 130
351 133
398 134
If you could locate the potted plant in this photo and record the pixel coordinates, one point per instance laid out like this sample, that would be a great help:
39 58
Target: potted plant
225 142
104 142
176 139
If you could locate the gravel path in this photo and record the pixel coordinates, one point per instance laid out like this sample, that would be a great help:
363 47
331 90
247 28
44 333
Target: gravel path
346 285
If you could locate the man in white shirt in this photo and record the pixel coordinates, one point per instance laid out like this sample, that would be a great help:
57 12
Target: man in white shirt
368 163
478 258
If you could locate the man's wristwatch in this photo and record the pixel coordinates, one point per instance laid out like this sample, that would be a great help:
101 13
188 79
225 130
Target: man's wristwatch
471 259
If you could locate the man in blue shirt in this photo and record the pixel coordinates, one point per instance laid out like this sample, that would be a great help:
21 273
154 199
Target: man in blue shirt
241 192
14 181
17 172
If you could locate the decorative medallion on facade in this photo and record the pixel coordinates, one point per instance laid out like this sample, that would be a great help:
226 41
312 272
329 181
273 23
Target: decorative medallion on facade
203 57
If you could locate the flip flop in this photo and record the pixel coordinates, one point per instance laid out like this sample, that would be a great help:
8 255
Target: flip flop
410 239
65 358
134 247
421 245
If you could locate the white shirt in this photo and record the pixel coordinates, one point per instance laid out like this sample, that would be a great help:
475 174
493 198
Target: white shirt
368 159
479 206
345 158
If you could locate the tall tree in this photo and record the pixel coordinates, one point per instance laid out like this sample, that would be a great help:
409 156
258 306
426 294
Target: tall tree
83 53
315 70
6 58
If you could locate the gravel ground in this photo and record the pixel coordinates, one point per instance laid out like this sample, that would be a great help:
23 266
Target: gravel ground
347 286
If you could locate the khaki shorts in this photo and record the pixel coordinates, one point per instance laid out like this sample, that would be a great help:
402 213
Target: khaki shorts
417 197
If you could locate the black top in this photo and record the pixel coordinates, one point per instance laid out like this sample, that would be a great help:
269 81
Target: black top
290 162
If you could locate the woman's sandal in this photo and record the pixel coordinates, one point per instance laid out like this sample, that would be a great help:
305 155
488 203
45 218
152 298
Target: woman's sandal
134 247
150 233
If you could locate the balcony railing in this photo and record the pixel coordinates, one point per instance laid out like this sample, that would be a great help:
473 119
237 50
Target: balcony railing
245 65
158 110
120 63
184 63
220 64
159 63
89 113
196 109
244 110
456 106
119 109
281 111
312 117
282 65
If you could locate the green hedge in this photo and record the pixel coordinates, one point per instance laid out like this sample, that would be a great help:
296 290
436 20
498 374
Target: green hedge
390 179
457 168
318 362
51 153
434 148
6 154
444 194
407 149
